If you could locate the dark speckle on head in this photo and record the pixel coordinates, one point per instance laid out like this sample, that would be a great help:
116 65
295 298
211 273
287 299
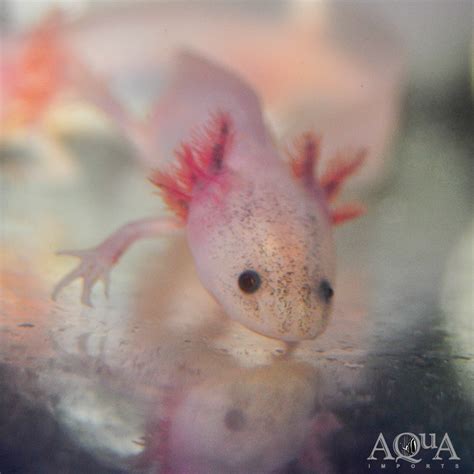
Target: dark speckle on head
325 291
249 281
234 419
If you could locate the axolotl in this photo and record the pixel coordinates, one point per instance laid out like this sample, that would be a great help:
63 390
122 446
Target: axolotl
260 228
33 69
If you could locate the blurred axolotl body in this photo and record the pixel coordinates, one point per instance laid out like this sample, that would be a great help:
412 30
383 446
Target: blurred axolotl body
259 227
32 72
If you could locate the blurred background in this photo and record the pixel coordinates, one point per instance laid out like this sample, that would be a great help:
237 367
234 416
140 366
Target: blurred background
79 386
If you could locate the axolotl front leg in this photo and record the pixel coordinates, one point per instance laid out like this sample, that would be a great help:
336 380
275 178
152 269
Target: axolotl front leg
97 262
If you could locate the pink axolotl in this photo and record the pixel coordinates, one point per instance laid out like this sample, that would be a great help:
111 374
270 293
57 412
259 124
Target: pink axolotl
32 72
259 227
38 67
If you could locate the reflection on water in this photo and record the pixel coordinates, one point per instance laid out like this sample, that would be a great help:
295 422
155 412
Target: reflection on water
157 378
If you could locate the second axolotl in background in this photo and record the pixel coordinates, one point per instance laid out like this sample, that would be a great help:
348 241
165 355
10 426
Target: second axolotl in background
259 227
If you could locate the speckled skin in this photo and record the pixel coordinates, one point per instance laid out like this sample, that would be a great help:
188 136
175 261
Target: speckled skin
268 221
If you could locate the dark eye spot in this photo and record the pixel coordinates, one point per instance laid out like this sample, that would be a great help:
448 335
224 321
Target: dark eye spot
249 281
234 420
325 291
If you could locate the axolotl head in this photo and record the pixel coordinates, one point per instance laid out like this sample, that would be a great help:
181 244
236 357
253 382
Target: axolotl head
264 249
259 229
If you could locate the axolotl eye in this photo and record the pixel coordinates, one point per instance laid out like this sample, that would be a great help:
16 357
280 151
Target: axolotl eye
249 281
325 291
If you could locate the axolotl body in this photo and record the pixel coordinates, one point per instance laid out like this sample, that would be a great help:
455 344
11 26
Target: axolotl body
259 228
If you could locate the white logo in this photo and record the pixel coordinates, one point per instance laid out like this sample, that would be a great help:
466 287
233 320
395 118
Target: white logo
407 446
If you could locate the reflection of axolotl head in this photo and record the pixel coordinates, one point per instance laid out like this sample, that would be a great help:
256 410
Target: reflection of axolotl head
250 420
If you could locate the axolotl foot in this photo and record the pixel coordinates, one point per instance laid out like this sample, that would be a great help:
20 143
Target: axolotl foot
95 265
97 262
